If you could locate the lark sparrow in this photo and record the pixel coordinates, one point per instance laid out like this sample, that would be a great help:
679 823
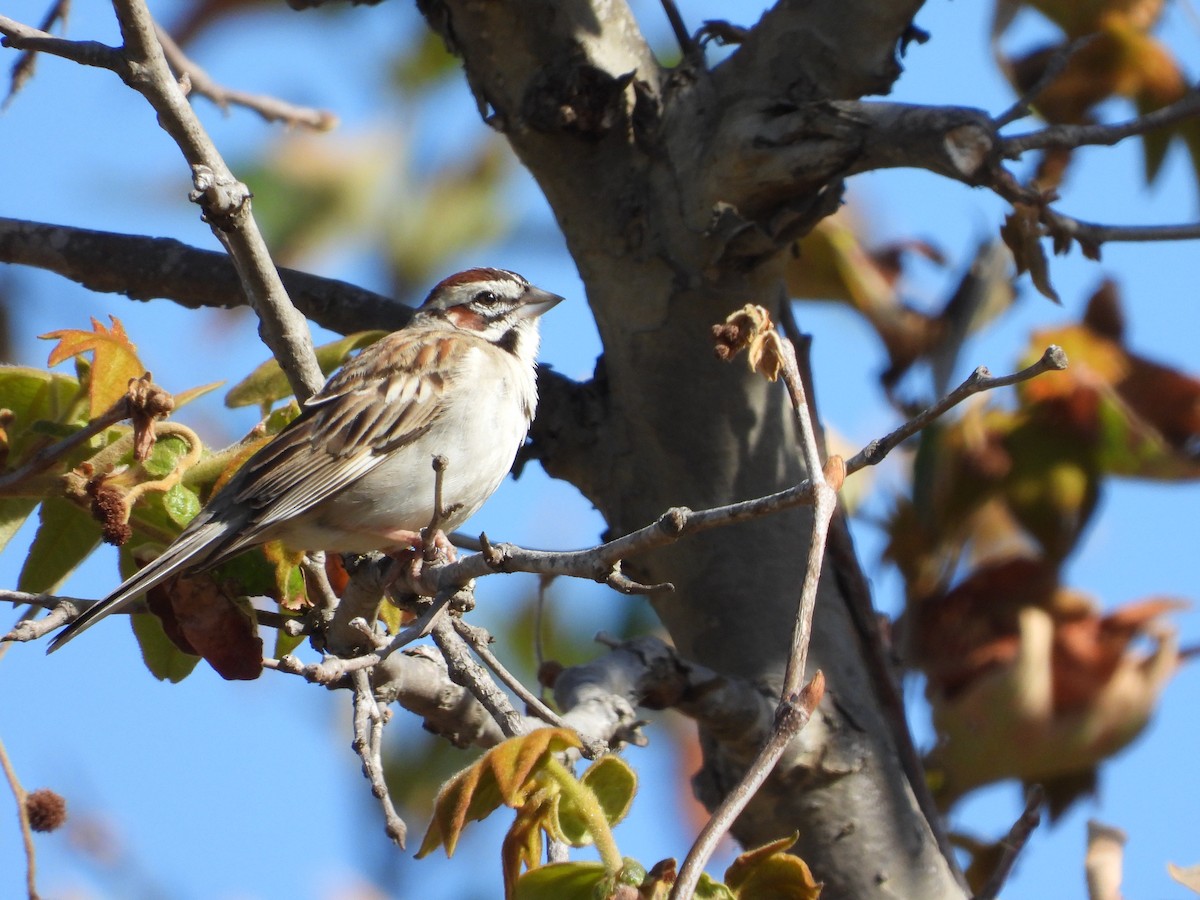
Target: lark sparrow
353 473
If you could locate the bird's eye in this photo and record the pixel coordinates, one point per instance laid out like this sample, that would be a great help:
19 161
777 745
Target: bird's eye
488 297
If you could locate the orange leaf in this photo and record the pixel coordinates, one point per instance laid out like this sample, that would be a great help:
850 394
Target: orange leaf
114 363
505 775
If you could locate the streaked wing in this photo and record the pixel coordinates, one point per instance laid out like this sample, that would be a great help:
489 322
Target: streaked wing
345 431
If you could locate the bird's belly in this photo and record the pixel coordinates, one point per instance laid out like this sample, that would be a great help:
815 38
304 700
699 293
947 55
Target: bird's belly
398 494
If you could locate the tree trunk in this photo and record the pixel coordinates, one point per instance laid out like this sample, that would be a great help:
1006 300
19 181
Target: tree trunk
676 215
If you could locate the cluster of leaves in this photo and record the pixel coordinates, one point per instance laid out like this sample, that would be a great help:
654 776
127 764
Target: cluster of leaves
1026 677
529 774
1114 54
1107 50
137 486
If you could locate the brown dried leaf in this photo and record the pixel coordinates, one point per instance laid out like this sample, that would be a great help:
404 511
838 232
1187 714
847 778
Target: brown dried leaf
1022 233
751 329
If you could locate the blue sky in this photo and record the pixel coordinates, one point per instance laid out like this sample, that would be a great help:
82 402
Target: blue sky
248 790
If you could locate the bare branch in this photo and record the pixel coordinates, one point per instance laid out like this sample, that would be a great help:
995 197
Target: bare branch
795 705
1054 68
144 268
1054 359
20 796
87 53
466 671
478 640
1064 229
368 744
1014 842
791 720
22 69
1071 136
693 52
225 200
197 80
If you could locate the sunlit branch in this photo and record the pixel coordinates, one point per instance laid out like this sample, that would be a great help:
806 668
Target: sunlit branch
1053 359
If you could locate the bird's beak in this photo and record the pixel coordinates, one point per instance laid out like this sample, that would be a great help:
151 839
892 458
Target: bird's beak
536 301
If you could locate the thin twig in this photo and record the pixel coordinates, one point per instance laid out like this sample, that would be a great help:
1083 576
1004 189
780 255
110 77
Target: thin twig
1054 68
539 635
692 51
796 705
271 109
23 817
1092 234
467 672
823 509
1053 359
87 53
430 551
1071 136
478 640
22 69
49 455
1014 842
787 726
368 744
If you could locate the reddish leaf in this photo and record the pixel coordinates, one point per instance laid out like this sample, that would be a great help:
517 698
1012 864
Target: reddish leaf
200 618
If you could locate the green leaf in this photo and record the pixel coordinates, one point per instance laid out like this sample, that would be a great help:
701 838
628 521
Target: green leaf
33 397
709 889
267 384
165 456
769 872
165 661
65 536
611 784
182 504
614 783
13 513
561 881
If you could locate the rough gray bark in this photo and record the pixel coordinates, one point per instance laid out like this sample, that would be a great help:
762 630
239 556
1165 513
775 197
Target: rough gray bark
676 191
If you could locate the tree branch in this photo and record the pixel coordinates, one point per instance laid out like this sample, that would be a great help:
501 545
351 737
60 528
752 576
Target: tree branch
194 79
1072 136
145 268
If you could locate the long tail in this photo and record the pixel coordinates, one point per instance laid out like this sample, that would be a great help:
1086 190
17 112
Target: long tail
192 548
